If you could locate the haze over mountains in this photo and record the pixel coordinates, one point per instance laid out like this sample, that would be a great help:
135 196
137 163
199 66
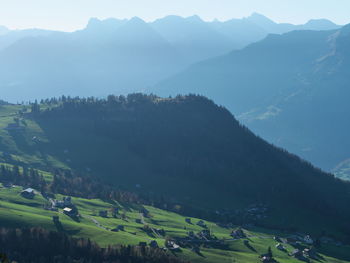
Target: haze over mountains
120 56
291 89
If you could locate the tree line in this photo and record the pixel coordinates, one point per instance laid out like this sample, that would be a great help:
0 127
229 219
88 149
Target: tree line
37 245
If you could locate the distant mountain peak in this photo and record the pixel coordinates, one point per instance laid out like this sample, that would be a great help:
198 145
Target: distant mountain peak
138 20
194 18
321 24
96 24
259 18
321 20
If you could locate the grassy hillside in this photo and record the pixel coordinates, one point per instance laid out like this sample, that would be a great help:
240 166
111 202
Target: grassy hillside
17 211
185 150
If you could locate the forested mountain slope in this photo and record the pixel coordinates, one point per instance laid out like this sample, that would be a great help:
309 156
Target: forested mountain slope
186 149
283 88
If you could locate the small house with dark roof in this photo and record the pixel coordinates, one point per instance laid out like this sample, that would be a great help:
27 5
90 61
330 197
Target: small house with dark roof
238 233
296 253
279 246
103 213
118 228
188 220
172 245
28 193
69 211
310 253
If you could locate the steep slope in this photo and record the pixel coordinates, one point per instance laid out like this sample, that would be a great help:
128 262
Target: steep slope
283 88
187 150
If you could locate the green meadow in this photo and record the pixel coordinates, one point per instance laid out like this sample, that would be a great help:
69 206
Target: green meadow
16 211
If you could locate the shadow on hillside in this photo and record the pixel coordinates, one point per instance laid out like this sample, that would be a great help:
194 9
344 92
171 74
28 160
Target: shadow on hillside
60 228
249 246
339 252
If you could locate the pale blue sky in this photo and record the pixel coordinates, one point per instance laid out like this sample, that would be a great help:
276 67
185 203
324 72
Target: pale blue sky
73 14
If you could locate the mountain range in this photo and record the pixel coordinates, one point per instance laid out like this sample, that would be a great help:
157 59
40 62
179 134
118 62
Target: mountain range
121 56
291 89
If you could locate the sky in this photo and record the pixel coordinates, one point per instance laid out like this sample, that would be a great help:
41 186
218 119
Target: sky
69 15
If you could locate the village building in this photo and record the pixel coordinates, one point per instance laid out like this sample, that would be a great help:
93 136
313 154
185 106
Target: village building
205 234
277 239
66 202
201 223
266 259
58 203
28 193
279 246
118 228
69 211
103 213
296 253
310 253
238 233
172 245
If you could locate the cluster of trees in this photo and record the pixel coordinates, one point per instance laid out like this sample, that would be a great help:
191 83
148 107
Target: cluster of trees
64 182
26 177
39 245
